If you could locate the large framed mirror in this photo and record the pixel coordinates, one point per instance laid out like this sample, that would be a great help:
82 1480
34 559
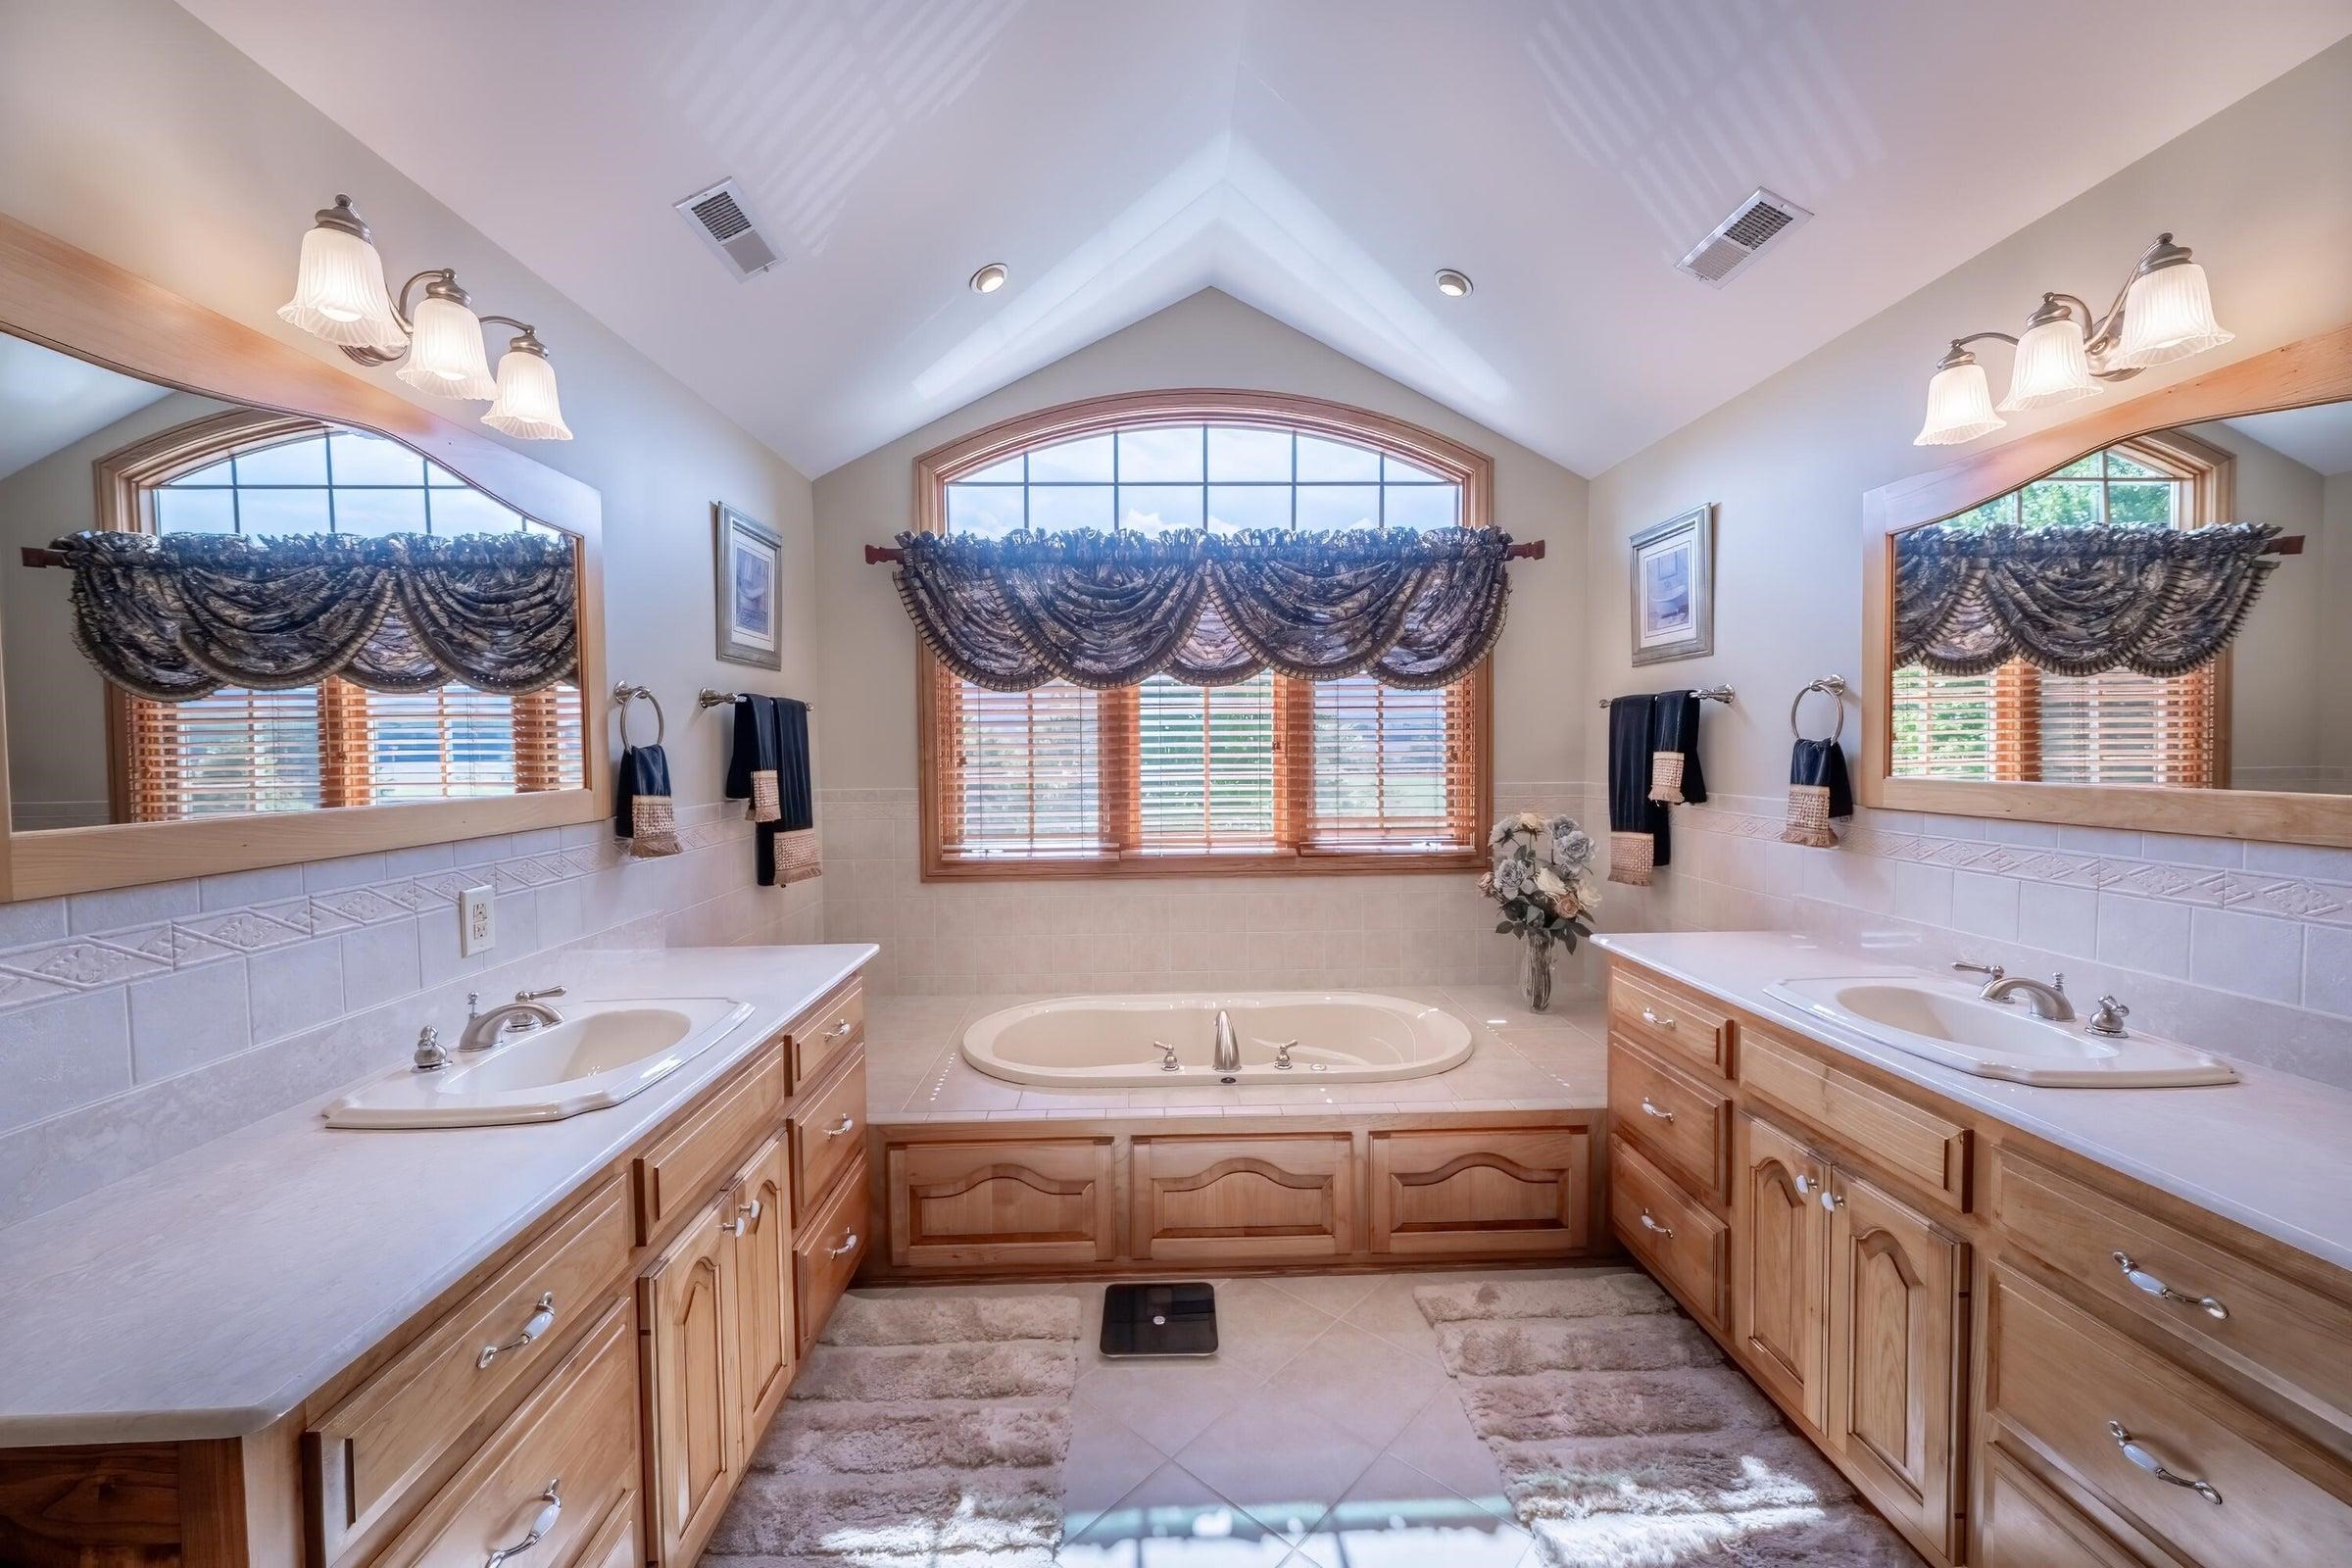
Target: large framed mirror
257 611
2134 621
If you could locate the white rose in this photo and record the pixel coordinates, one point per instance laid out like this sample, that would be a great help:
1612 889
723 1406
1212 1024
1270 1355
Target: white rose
1530 822
1549 883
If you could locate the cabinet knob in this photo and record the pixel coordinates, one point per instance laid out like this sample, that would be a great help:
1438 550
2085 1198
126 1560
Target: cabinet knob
1832 1201
1804 1185
747 1215
2141 1280
2146 1459
538 1323
552 1497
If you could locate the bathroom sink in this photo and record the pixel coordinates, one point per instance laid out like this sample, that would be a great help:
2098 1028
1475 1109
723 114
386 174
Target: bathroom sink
1950 1024
600 1054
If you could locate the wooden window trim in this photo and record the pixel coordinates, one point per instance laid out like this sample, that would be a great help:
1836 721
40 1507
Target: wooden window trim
1470 469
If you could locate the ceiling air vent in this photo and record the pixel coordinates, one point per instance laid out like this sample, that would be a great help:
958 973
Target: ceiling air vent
1757 222
723 217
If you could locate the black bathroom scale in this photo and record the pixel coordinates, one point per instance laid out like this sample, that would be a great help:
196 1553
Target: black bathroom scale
1159 1320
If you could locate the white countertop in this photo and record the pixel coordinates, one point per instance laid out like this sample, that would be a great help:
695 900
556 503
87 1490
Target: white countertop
209 1296
2273 1152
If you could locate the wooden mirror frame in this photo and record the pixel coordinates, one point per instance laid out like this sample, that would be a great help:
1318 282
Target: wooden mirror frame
2314 369
74 302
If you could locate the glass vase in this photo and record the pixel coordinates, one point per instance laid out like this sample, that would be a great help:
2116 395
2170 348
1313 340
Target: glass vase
1538 953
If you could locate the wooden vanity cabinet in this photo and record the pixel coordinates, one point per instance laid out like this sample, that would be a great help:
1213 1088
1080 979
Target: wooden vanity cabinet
1954 1311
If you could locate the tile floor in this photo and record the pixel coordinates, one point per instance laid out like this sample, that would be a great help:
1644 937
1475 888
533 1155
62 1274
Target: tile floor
1323 1434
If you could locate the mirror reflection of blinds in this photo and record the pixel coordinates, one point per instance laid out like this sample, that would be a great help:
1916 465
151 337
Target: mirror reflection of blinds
238 750
1023 775
2019 724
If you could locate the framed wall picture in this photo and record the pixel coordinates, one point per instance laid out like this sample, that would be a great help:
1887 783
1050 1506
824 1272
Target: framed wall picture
1674 588
749 568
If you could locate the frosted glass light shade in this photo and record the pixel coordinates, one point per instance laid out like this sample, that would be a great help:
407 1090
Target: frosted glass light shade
526 406
2050 367
446 356
2168 316
339 293
1959 408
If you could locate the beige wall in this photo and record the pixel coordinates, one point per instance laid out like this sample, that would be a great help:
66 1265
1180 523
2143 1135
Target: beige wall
2260 191
1208 340
2277 737
2244 947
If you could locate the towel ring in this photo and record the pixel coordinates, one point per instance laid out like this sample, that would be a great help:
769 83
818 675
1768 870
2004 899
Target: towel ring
622 694
1831 686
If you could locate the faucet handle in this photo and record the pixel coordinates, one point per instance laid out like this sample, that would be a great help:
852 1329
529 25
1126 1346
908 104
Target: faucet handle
1990 971
534 996
1282 1055
1167 1060
432 1055
2108 1019
2058 982
474 1004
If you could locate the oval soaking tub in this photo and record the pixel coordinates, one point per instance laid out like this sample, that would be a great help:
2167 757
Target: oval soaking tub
1113 1042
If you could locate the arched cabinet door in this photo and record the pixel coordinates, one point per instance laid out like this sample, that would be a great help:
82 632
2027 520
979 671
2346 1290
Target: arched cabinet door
1896 1289
760 1229
686 1304
1781 1265
1480 1193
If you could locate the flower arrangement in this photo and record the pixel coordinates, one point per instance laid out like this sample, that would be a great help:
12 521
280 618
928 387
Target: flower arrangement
1543 882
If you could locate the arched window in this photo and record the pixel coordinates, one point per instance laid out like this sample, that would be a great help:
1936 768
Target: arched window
334 744
2022 725
1163 778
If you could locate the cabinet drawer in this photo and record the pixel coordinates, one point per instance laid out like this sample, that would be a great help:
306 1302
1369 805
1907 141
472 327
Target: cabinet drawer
1900 1138
1482 1192
681 1170
828 1129
2280 1334
575 1438
1670 1018
374 1444
619 1542
2063 1383
1667 1230
2026 1525
1252 1198
1000 1205
1676 1119
826 1252
837 1024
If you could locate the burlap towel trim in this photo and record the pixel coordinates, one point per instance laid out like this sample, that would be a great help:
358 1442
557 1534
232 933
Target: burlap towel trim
1631 858
653 827
767 802
1809 818
1666 778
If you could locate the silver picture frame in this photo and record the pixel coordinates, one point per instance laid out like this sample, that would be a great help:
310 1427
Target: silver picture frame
747 583
1672 583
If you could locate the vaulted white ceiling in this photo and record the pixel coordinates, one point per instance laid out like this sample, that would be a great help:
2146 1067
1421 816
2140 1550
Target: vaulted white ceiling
1318 159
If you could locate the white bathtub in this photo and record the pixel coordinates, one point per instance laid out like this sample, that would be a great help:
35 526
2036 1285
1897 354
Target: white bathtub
1111 1042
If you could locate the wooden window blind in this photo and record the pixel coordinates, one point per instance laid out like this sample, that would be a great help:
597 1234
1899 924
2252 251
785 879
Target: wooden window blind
1389 771
317 747
1022 772
1208 770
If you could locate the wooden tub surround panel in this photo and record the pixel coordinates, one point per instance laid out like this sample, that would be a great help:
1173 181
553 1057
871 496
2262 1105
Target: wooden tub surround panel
631 1346
2024 1358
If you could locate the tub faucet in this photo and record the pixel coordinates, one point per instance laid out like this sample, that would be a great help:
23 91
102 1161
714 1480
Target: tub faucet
1229 1049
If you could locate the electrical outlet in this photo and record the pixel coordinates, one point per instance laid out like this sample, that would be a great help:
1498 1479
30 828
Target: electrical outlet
477 921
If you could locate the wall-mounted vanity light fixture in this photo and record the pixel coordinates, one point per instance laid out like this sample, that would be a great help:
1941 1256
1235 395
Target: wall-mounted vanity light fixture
2164 311
339 296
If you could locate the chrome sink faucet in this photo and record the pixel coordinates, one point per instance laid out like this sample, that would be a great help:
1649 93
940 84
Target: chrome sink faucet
2047 1001
1228 1047
526 1012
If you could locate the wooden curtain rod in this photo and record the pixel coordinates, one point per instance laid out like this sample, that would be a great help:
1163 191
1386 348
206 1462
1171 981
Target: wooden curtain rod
877 554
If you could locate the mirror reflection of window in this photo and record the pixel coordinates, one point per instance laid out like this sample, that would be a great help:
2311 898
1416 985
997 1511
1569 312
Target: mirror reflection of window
236 751
2020 725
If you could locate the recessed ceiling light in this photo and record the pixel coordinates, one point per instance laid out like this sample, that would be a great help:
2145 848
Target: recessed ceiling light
1452 285
990 278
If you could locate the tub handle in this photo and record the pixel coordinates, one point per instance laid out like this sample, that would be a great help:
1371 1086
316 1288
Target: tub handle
1282 1056
1167 1057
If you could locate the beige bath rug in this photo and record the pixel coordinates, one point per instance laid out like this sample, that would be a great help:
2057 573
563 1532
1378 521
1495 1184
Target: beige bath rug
923 1432
1626 1441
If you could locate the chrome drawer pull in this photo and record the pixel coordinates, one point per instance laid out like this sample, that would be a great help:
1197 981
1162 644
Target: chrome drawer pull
1649 1224
2143 1280
538 1323
2154 1466
552 1497
838 1030
848 1246
845 1124
1649 1110
1655 1019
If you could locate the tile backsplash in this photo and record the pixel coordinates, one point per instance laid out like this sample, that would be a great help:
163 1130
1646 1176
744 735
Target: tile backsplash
140 1021
1156 934
2240 947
